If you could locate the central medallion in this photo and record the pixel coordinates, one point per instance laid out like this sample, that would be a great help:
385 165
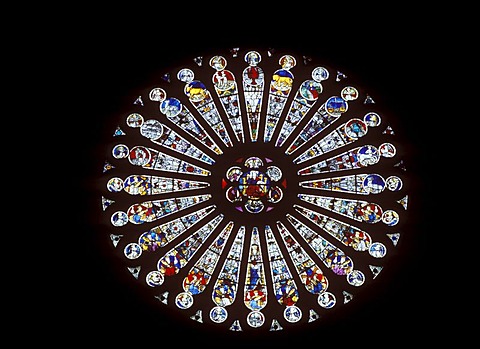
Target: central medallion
255 185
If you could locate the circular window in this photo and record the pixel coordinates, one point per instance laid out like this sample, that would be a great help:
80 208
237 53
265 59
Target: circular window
254 190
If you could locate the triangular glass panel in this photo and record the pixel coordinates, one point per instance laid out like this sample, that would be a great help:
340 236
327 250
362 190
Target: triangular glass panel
347 297
197 317
224 183
388 131
400 165
138 101
375 269
107 166
236 326
234 51
106 203
313 316
115 239
394 237
275 326
198 60
134 271
368 100
163 297
166 77
340 76
306 60
404 201
118 132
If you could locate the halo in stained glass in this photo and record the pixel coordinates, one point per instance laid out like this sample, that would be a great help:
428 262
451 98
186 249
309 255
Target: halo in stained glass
252 190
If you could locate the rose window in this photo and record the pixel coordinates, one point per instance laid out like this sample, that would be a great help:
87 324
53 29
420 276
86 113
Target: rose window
254 190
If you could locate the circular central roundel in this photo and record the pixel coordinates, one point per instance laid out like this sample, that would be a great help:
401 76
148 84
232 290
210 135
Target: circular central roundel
254 185
252 193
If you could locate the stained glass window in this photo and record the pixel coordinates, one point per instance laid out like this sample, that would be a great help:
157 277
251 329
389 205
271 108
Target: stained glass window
254 190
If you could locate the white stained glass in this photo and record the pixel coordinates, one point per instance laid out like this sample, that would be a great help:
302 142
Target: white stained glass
227 91
152 210
202 100
332 256
179 115
347 234
160 235
283 283
253 79
311 275
178 257
306 96
352 159
226 287
280 87
359 210
255 291
200 275
150 158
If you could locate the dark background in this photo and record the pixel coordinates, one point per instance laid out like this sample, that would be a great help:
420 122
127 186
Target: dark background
98 304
